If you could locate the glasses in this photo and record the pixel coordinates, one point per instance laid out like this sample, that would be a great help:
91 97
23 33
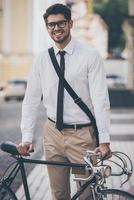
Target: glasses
60 24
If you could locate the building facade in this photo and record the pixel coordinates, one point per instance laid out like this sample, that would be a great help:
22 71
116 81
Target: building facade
21 36
23 33
128 27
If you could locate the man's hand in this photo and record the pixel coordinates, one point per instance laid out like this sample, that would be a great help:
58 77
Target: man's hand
104 150
25 148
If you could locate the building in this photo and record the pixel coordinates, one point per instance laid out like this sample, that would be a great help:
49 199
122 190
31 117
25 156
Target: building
23 33
129 30
15 45
22 36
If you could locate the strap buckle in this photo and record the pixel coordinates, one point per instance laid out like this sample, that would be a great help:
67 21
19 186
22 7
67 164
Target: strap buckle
77 100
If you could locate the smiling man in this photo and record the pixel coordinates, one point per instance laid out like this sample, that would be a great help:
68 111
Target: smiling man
68 132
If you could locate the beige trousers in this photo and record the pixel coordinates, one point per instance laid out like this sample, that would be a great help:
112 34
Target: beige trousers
67 145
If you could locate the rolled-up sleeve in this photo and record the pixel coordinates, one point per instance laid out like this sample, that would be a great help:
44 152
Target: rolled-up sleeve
31 102
100 97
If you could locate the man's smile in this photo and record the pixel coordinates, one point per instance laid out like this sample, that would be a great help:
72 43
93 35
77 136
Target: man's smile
58 33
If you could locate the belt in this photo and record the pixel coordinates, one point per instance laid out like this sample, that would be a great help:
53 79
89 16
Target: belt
73 126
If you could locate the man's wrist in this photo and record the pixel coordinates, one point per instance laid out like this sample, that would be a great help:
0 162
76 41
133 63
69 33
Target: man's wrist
27 137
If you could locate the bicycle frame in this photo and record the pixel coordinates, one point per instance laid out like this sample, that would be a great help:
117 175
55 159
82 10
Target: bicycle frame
20 167
126 169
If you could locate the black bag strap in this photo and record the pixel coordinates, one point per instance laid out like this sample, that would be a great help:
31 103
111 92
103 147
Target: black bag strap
72 93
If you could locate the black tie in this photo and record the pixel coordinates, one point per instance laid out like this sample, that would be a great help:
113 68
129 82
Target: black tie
59 122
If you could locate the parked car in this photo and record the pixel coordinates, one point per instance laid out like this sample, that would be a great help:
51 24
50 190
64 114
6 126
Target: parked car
2 87
15 89
115 81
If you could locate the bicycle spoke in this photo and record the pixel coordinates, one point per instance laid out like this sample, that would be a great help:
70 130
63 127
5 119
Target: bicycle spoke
6 194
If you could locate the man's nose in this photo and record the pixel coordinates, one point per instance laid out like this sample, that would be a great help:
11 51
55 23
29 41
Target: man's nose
56 27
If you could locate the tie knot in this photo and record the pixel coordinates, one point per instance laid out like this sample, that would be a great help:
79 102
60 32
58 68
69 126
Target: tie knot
62 53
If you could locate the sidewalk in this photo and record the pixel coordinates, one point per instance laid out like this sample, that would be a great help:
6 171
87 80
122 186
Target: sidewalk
122 135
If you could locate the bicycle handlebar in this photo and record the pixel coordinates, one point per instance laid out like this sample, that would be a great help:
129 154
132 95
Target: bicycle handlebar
120 159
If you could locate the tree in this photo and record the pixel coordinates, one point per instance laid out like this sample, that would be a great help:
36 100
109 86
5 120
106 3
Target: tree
114 13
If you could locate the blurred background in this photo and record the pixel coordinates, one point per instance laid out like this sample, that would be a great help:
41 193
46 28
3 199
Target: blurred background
106 24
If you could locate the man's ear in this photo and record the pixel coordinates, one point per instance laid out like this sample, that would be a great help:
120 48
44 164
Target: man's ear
71 23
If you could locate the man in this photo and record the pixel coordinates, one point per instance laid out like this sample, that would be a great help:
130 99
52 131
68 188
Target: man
85 73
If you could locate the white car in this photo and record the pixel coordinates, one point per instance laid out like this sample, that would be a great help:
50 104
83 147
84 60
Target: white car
15 89
115 81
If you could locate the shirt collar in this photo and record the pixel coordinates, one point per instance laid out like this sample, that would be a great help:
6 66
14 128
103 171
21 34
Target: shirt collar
69 48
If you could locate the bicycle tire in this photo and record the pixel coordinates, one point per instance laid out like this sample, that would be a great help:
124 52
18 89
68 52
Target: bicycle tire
117 194
6 193
110 194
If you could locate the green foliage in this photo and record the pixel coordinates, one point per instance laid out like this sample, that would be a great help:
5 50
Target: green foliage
114 13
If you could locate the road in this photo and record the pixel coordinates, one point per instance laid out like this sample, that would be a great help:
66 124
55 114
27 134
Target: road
10 116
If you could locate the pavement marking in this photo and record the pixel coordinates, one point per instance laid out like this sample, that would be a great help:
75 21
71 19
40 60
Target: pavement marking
122 129
127 137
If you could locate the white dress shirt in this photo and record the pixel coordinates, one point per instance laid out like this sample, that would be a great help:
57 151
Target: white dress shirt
85 73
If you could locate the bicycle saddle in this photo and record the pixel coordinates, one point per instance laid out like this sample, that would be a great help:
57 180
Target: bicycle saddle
9 147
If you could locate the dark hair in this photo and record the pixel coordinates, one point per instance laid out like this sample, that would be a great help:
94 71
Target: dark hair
58 9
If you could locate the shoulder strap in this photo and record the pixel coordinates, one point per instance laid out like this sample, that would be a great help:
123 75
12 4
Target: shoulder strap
72 93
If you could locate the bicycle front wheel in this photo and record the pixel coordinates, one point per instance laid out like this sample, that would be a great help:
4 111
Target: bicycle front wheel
6 193
114 194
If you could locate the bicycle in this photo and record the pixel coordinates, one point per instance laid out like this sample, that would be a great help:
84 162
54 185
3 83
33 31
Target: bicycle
98 167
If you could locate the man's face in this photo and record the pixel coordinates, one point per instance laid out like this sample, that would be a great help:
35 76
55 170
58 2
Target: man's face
58 28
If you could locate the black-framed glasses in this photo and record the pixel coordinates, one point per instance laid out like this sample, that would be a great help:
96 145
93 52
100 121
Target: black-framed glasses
60 24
